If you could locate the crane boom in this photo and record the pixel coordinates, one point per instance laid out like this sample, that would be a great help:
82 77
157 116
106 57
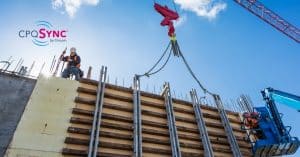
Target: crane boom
267 15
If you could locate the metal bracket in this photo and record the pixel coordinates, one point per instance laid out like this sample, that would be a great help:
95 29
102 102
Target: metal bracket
208 150
175 48
171 122
228 129
94 138
137 120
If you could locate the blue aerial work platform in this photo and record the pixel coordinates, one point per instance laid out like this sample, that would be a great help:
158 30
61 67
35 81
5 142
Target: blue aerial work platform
272 137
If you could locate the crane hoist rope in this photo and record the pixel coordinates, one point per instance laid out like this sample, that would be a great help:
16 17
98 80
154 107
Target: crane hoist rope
177 52
168 58
150 71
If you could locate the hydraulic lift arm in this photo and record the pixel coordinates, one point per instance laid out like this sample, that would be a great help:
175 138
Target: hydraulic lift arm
284 98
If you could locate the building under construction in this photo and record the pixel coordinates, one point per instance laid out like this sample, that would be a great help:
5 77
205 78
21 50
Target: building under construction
49 116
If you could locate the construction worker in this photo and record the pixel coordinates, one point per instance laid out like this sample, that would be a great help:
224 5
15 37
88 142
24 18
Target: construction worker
73 66
251 119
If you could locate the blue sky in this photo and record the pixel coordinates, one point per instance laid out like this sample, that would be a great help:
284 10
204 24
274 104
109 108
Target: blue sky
232 54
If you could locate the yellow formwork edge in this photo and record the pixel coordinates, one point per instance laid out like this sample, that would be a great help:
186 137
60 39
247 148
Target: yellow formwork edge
43 126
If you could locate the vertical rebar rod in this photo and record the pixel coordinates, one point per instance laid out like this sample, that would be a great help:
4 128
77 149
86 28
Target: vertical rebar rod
20 66
7 62
52 64
17 65
30 69
89 74
42 68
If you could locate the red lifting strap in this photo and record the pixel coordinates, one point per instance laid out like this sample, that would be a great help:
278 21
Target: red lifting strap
168 15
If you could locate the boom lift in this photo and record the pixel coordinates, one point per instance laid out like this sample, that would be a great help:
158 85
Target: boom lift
267 133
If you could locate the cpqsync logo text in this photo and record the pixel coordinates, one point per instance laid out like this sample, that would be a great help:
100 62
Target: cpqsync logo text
43 34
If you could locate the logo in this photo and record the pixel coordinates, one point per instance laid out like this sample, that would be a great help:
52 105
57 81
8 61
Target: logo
43 34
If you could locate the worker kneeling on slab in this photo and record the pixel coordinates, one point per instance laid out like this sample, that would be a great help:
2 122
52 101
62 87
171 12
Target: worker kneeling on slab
73 67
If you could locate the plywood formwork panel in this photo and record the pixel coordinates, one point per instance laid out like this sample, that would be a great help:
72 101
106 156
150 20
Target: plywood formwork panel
87 96
158 146
165 138
79 136
190 150
155 129
89 86
150 155
153 109
81 126
124 114
116 121
110 101
83 117
185 115
84 107
119 93
124 132
213 124
158 100
117 152
77 147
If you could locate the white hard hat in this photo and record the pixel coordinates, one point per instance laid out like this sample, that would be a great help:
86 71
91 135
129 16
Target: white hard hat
73 49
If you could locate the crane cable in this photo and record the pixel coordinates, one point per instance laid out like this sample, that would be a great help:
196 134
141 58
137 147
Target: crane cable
174 5
169 56
150 71
191 72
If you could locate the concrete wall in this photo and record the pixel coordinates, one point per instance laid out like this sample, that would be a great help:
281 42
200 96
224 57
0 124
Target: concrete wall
42 129
14 95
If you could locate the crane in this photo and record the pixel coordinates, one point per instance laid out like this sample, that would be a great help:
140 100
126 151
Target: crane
268 135
267 15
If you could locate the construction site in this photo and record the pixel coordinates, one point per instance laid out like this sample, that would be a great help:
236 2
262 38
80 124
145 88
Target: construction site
62 111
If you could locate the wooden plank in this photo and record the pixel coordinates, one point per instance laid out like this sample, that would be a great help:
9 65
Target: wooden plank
105 144
67 151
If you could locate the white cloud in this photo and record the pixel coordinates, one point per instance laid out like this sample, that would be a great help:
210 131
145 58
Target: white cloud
203 8
182 19
72 6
